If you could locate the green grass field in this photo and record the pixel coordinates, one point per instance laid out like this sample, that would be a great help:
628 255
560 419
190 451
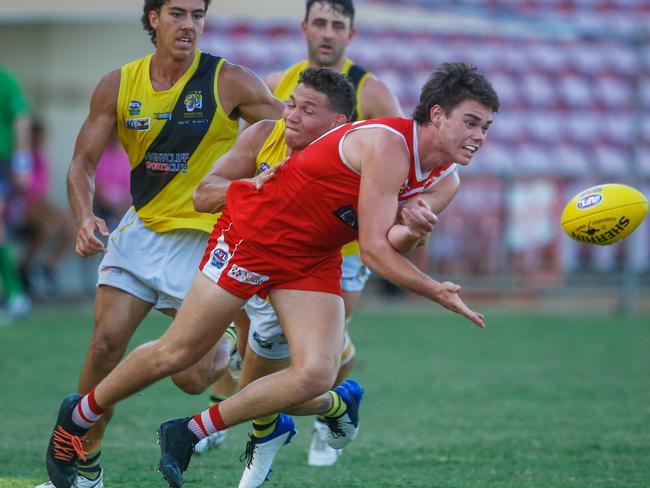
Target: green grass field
532 401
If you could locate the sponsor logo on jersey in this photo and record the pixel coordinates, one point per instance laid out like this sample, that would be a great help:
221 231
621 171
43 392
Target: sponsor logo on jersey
348 215
159 164
141 124
244 276
193 101
219 258
162 116
134 107
589 201
263 167
194 123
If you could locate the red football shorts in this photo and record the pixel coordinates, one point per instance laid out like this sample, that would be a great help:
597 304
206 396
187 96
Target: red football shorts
246 269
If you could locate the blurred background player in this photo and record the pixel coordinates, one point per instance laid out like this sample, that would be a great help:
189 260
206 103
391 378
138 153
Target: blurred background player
112 182
15 168
172 134
47 231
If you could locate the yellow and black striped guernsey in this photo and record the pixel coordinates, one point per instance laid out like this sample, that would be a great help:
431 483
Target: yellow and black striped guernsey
172 138
355 73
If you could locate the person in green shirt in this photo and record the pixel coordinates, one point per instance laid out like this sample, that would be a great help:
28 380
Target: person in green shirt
15 167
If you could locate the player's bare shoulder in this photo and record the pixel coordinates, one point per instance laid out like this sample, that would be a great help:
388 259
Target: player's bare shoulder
240 86
377 100
273 80
107 91
256 135
236 73
374 144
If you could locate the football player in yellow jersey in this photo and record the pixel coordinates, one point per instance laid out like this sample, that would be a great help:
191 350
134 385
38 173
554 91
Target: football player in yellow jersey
176 112
328 28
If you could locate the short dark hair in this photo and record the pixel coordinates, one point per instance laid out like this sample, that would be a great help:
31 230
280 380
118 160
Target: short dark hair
449 85
341 96
150 5
346 7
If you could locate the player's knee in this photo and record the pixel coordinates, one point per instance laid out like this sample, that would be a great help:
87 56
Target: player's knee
221 359
190 382
314 381
174 358
105 350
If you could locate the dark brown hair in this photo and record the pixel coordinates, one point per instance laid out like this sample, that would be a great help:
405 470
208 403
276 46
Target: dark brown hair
449 85
341 96
150 5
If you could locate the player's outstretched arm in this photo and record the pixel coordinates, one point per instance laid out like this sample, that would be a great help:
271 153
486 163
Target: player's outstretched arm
243 94
238 163
384 163
91 141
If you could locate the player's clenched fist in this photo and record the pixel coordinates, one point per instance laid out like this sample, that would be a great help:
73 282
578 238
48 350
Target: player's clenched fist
419 218
87 242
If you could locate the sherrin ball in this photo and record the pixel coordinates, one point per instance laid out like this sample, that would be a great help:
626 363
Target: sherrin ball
604 214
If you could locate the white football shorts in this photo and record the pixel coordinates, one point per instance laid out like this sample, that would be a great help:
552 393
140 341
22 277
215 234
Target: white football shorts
155 267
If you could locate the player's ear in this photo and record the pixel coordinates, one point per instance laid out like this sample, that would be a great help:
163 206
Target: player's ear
303 28
154 18
340 119
353 33
436 113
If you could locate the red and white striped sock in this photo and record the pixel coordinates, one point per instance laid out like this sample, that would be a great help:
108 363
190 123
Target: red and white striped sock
207 422
87 412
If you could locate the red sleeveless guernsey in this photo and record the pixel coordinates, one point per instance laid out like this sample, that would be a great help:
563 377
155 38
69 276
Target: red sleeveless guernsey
310 207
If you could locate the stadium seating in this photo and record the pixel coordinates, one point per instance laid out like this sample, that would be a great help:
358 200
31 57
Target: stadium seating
572 108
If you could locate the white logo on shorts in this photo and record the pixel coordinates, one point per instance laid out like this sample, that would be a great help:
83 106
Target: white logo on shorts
244 276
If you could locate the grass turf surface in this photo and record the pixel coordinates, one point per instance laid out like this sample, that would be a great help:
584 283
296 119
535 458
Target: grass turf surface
532 401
